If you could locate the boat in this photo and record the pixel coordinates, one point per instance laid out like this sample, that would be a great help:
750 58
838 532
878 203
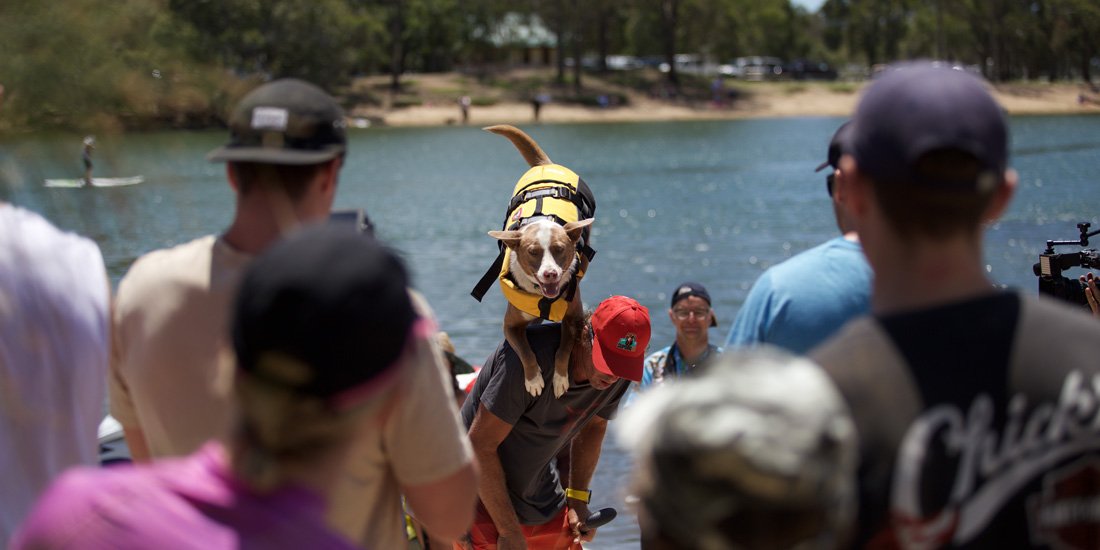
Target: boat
96 182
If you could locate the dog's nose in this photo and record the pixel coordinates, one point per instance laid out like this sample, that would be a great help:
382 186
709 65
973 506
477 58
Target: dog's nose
551 275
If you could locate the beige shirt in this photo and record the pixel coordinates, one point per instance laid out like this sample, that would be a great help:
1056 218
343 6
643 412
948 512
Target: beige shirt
421 441
171 358
172 372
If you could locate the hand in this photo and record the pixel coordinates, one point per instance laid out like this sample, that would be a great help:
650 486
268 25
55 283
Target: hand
511 541
578 512
1091 293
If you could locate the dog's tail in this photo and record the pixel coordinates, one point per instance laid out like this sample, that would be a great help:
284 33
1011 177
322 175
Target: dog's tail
530 150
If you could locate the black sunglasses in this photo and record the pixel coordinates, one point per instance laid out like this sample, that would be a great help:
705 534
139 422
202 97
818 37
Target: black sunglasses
829 183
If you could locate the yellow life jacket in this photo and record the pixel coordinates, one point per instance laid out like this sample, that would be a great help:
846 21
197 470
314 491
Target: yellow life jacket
537 305
552 192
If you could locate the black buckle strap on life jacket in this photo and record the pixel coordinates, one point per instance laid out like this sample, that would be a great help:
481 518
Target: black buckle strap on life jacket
489 277
559 191
532 219
588 251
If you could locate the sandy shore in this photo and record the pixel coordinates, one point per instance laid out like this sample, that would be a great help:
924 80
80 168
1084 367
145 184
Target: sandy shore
763 100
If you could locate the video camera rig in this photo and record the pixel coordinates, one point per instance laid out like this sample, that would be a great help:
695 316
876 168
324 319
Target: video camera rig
1051 265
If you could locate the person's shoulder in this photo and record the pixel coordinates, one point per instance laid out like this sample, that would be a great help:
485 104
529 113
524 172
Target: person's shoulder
1053 323
811 256
545 336
27 227
79 487
658 355
857 339
178 264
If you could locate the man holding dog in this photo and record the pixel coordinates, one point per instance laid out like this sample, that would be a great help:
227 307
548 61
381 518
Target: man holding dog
538 454
977 409
172 367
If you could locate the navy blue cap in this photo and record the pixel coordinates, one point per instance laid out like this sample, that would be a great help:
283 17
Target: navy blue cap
836 146
920 108
686 289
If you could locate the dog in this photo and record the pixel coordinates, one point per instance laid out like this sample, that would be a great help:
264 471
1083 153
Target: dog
547 224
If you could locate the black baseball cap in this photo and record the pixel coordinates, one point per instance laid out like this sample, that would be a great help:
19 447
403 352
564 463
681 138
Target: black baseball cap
920 108
332 304
287 121
836 147
686 289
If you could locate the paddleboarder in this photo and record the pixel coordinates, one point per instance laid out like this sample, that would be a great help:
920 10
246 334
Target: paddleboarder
89 145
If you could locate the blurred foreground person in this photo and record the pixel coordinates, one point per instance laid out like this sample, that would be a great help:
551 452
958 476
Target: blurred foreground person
321 329
173 369
757 451
977 409
53 356
800 302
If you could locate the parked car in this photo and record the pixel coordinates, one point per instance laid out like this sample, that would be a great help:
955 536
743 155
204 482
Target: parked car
694 64
759 67
624 63
801 69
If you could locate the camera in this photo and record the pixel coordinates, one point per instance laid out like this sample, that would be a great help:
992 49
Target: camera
352 218
1051 265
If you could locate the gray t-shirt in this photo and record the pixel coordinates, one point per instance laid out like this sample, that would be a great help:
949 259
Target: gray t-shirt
541 426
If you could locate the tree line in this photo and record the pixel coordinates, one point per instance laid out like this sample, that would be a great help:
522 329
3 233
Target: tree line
180 62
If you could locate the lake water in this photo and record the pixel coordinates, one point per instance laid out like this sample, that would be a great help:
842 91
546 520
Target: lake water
716 202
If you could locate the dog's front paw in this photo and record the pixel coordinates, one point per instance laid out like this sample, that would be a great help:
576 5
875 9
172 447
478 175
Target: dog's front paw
534 385
561 384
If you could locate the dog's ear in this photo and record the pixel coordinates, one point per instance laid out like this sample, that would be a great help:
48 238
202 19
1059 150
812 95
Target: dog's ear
573 229
509 238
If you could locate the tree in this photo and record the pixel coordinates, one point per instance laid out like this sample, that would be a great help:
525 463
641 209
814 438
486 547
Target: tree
316 40
99 65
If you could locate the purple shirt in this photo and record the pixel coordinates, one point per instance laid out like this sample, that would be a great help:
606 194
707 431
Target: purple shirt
191 502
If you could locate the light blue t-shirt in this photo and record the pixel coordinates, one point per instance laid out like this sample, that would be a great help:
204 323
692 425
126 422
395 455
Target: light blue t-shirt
799 303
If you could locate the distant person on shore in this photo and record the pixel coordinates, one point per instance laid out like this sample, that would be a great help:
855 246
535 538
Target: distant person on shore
537 102
692 316
758 451
54 296
86 158
529 497
975 407
464 106
172 366
800 302
315 368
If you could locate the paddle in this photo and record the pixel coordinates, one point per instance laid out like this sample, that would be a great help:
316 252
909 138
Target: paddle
598 519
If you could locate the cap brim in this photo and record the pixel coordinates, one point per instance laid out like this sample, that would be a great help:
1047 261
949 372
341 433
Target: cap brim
611 363
267 155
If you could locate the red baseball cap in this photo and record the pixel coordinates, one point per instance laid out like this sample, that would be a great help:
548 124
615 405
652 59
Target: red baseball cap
620 326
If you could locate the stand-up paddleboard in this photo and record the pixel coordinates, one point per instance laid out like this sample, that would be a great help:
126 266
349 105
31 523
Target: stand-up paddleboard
96 182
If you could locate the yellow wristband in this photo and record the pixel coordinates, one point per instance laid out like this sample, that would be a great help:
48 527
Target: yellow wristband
579 494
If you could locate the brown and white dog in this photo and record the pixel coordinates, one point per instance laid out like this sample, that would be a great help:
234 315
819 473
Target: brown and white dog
543 262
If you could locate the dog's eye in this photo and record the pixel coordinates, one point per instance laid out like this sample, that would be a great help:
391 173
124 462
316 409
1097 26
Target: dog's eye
556 249
534 250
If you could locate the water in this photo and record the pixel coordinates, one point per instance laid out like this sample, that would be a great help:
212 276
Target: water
716 202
